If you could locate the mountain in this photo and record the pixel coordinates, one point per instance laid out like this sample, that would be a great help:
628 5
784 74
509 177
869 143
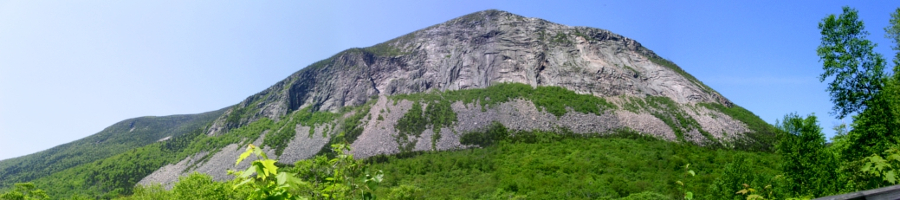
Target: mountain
458 65
118 138
440 88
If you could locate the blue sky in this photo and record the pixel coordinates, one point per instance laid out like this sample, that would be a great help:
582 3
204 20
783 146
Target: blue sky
69 69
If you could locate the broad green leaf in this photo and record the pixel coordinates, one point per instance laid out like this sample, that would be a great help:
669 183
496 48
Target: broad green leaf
688 195
742 192
754 196
881 165
679 183
691 172
245 154
269 167
891 177
260 169
281 178
895 157
292 180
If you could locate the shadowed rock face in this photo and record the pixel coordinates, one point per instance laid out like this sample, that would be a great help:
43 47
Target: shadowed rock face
475 51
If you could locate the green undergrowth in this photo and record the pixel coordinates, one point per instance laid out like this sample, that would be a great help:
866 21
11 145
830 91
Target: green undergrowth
116 175
563 165
350 125
118 138
286 128
552 99
411 124
438 112
436 115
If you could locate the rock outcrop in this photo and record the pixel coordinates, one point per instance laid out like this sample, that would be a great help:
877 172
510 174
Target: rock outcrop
475 51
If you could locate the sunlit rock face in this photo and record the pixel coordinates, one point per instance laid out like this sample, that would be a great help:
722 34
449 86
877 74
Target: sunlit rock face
471 52
475 51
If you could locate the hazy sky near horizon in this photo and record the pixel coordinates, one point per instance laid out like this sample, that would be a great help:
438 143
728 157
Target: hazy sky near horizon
68 69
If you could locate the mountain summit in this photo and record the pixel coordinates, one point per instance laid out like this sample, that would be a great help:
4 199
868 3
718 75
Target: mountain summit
476 51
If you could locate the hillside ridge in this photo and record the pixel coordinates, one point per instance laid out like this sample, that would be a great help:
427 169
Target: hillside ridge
120 137
437 88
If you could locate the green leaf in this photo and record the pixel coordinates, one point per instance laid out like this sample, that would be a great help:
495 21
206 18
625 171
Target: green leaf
881 164
689 195
894 157
269 167
679 183
281 178
260 169
245 154
292 180
891 177
867 167
691 172
754 196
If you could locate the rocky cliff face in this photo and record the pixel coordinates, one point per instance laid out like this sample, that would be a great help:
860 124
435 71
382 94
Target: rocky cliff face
475 51
652 96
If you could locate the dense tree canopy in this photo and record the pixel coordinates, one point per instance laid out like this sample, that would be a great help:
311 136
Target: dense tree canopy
848 56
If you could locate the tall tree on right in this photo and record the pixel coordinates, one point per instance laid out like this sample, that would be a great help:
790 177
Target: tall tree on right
860 86
849 58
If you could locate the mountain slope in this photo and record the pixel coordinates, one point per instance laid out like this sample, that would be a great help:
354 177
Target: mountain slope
440 88
489 67
118 138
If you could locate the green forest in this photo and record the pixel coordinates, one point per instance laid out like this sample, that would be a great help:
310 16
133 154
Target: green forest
791 159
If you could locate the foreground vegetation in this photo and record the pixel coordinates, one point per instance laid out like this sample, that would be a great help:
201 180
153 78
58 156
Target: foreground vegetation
559 165
537 165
